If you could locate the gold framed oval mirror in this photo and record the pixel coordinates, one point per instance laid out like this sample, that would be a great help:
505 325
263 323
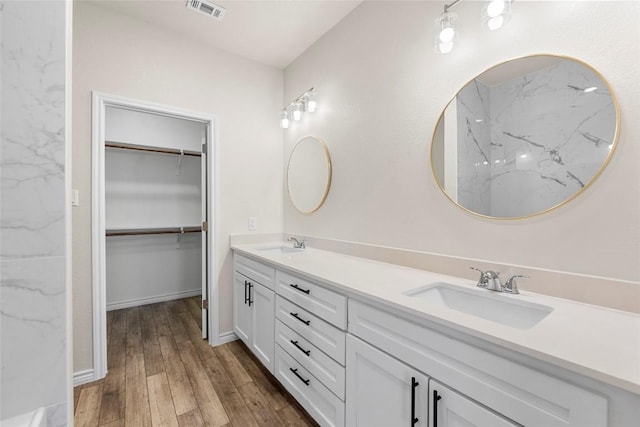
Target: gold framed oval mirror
309 174
525 137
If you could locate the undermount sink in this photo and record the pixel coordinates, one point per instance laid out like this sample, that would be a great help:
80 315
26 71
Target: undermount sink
501 308
278 249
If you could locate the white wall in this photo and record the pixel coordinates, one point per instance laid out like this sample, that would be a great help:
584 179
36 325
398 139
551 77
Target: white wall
33 214
382 89
119 55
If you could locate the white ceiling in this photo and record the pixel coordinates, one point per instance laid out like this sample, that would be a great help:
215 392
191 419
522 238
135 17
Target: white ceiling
271 32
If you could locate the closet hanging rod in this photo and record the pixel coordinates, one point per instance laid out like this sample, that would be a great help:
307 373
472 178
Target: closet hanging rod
125 146
147 231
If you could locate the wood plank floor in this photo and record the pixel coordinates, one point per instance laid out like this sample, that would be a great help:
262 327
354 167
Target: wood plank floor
161 373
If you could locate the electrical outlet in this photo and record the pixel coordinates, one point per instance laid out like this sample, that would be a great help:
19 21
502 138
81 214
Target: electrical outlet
253 223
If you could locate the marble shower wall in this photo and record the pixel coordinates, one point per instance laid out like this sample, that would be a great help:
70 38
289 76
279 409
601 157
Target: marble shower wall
32 209
541 139
474 154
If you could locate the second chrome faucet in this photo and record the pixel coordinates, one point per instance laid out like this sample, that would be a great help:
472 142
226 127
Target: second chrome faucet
491 280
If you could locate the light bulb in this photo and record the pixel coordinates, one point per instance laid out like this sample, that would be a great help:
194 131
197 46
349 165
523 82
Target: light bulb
445 47
297 111
284 121
495 8
495 23
447 34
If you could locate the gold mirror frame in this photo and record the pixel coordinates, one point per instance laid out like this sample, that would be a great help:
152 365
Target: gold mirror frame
325 193
568 199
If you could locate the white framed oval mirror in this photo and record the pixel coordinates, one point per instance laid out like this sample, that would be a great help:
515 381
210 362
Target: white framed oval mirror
525 137
309 174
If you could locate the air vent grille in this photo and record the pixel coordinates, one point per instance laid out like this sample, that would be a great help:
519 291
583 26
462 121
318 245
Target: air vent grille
207 8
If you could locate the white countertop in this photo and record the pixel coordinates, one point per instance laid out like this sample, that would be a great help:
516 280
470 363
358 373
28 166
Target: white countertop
597 342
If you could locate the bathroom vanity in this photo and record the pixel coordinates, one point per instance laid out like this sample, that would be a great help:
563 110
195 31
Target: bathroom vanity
364 343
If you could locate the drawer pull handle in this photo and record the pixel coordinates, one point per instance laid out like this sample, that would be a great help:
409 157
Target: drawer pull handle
294 286
436 397
245 291
295 371
414 384
306 322
307 352
250 288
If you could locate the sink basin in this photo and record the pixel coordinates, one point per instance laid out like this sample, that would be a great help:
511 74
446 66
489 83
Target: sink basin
278 249
505 309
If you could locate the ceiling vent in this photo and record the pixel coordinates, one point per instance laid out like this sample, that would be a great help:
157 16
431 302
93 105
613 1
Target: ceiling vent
206 7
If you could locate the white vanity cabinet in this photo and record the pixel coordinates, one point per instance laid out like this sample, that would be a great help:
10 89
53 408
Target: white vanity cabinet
517 392
310 351
382 391
354 360
254 308
450 409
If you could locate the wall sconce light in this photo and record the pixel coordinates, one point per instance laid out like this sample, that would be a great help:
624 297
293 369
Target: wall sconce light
305 103
495 14
284 119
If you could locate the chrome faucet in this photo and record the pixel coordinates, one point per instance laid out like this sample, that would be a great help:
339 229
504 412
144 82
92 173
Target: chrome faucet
298 244
491 280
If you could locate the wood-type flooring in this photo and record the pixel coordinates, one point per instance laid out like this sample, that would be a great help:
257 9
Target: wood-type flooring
162 373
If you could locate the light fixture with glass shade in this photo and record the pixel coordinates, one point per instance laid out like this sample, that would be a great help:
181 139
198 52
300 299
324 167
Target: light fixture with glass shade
305 103
296 110
496 13
446 30
284 119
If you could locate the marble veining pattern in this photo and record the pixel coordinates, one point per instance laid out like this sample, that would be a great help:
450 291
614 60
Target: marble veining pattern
548 133
32 209
32 153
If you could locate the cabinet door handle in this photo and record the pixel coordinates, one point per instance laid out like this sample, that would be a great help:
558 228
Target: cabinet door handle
414 384
250 289
436 397
307 352
306 322
294 286
245 291
295 371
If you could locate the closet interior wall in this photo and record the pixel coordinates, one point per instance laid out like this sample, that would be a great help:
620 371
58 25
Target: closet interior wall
146 191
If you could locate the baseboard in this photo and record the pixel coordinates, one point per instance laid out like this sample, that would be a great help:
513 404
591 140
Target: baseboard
153 300
83 377
226 337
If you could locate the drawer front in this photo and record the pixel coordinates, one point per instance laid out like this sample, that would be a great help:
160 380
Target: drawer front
321 404
325 304
520 393
254 270
326 337
321 366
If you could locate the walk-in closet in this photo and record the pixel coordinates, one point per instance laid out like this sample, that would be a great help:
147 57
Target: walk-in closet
155 204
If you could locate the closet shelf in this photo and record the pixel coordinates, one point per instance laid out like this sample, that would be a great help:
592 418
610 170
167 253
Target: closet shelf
125 146
146 231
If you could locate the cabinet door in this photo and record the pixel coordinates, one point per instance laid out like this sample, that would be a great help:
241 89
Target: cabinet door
382 391
263 324
449 409
241 309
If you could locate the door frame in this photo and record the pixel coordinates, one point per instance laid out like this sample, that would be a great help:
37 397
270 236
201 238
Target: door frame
99 103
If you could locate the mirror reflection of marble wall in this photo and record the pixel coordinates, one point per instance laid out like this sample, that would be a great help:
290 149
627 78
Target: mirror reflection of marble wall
527 143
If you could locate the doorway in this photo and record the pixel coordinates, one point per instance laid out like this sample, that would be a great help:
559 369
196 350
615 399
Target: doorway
152 206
